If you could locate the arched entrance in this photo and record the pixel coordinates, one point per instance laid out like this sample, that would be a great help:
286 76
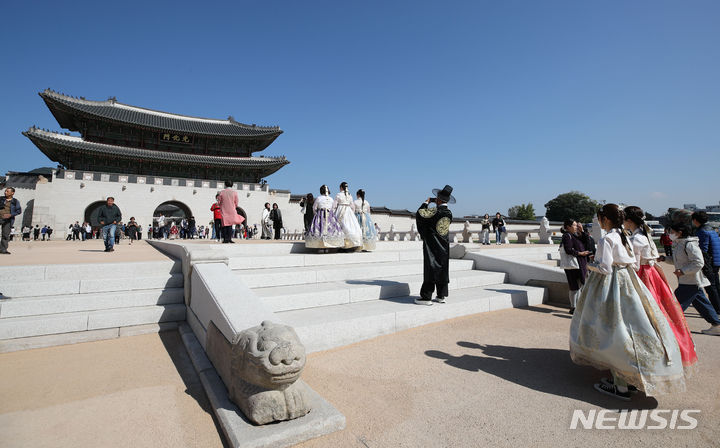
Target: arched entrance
242 213
91 213
173 211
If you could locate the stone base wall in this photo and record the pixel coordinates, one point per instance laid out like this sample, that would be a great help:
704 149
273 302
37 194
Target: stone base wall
63 201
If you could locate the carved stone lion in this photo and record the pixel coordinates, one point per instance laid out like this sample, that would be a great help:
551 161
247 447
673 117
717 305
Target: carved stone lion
261 371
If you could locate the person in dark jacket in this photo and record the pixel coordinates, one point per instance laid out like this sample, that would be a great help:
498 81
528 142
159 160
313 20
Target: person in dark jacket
276 218
710 247
586 239
574 248
306 205
498 224
9 209
433 224
109 216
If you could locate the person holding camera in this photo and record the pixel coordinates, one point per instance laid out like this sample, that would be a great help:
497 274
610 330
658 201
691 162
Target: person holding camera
433 224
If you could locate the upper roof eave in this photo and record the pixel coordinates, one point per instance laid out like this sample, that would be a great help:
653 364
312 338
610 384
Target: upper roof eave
113 110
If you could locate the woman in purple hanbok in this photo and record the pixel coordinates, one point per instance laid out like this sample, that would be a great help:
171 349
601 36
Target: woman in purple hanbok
325 231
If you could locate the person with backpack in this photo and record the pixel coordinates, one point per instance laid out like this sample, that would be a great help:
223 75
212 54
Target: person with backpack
688 260
710 247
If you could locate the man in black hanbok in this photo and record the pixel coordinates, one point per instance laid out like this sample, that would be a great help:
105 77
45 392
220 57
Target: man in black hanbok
434 225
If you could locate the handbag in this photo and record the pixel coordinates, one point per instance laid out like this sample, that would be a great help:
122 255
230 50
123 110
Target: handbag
567 261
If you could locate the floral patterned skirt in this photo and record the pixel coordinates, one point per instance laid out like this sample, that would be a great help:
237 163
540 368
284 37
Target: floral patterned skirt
619 326
369 234
325 231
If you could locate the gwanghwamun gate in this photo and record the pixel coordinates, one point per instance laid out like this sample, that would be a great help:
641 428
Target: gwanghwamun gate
155 163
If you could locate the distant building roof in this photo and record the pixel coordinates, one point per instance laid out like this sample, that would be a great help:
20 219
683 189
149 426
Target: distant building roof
71 143
64 107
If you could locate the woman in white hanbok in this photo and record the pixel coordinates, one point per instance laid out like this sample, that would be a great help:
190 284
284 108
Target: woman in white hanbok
345 214
325 231
362 213
618 325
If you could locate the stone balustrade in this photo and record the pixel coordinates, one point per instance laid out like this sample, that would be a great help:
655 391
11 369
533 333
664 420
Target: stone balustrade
455 236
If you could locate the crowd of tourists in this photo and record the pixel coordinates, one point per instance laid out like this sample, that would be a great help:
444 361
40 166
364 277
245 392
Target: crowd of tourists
626 318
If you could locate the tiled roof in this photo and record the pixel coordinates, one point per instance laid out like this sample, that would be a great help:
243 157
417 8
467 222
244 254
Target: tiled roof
72 143
124 113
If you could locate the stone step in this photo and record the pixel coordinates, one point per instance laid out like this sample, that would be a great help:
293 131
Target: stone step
242 249
323 328
22 327
33 273
91 284
315 259
258 278
69 303
284 298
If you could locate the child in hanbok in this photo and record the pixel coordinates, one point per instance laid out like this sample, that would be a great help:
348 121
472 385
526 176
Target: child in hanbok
362 212
343 207
325 231
645 255
618 325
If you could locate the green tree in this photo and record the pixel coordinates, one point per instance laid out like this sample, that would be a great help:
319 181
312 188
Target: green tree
572 205
522 211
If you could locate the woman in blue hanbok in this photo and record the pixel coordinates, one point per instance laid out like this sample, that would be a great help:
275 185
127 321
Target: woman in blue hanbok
367 227
618 325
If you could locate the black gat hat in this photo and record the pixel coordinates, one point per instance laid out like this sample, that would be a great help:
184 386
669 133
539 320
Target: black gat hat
445 194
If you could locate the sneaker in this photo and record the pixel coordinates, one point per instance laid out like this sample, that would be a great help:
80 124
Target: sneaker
609 382
712 331
109 249
5 252
439 299
426 302
612 391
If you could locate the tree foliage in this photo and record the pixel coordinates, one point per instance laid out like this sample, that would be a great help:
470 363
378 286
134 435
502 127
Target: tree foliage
573 205
522 211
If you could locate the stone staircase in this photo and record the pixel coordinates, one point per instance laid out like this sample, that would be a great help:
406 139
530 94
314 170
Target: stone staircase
340 298
60 304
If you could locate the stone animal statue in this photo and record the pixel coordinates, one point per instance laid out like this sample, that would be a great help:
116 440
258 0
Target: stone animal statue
466 233
545 233
262 371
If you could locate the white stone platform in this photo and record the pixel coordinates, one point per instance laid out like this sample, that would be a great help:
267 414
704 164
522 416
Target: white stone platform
339 298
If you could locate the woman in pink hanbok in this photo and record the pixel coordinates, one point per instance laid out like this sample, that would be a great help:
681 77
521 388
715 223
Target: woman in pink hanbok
646 253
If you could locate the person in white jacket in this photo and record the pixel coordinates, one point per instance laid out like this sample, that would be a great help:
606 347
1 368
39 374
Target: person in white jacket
266 223
688 261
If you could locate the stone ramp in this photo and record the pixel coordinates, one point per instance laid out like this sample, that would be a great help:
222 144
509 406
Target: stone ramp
337 299
46 305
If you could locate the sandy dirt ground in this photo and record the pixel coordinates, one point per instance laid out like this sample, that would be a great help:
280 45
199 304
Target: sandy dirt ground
501 379
78 252
139 391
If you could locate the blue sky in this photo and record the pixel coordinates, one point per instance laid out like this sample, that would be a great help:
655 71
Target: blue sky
508 101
